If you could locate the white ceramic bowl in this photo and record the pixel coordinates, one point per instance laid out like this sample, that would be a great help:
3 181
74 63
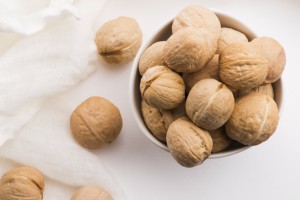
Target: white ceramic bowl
162 34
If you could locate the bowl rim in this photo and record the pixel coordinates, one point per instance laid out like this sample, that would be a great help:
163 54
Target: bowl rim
135 73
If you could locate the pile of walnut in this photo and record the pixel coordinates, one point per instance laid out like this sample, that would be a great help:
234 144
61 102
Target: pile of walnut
208 85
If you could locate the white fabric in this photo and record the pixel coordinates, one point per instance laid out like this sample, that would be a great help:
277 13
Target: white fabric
34 130
15 21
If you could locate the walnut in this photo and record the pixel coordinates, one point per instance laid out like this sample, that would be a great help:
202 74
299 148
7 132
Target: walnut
153 56
91 192
242 66
209 104
266 89
22 183
158 121
190 49
188 144
220 139
162 88
196 16
211 70
254 119
229 36
96 122
275 55
119 40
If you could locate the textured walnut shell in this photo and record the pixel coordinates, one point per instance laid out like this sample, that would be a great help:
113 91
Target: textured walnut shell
91 192
22 183
96 122
119 40
196 16
158 121
162 88
242 66
266 89
209 104
153 56
211 70
254 119
188 144
190 49
275 55
220 139
229 36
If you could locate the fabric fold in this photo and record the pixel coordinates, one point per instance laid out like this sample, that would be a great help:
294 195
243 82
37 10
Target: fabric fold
34 116
28 24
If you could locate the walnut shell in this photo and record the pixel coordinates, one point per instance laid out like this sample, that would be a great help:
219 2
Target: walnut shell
196 16
229 36
22 183
152 56
211 70
91 192
209 104
275 55
242 66
162 88
220 139
188 144
190 49
96 122
254 119
119 40
263 89
158 121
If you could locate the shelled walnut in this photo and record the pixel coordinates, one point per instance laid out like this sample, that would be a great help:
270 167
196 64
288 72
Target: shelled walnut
211 70
22 183
96 122
152 56
266 89
220 139
196 16
162 88
242 66
158 121
91 192
188 144
190 49
119 40
254 119
275 56
229 36
209 104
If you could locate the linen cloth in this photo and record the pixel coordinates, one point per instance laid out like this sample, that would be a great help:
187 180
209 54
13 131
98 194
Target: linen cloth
52 55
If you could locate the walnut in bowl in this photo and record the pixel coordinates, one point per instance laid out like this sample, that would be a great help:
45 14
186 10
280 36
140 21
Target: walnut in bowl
162 35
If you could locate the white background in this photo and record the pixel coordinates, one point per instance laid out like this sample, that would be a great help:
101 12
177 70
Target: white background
268 171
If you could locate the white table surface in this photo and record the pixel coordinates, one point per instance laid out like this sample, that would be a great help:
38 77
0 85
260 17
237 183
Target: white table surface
267 171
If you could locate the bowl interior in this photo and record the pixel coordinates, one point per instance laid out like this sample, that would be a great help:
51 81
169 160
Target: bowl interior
163 34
